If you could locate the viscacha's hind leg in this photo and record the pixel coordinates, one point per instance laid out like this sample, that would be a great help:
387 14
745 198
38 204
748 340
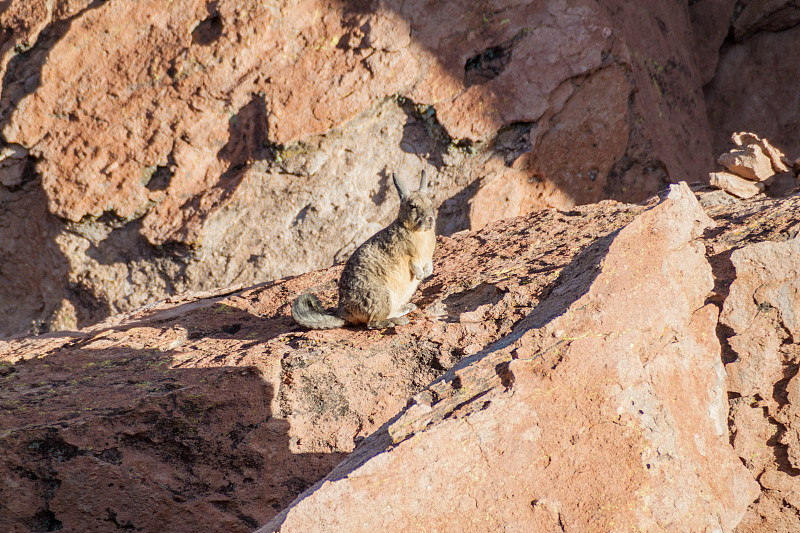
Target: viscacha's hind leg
404 310
388 323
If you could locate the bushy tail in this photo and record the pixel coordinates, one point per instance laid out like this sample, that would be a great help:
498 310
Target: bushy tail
307 311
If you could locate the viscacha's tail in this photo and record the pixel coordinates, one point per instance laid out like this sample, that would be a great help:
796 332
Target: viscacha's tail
307 311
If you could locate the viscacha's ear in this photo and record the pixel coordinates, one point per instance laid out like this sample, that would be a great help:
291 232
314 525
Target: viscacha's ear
402 190
423 182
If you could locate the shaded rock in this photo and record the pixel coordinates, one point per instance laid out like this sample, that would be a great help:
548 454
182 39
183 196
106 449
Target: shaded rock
765 16
782 184
735 185
748 92
711 20
12 166
641 448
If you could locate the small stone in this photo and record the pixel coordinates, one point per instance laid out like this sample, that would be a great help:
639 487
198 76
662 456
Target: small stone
776 157
749 162
735 185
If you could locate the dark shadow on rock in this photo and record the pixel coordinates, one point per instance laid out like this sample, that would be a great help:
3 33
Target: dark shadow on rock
33 269
469 300
453 214
247 142
205 318
423 135
103 436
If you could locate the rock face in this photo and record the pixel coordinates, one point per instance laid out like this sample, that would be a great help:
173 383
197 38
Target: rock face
192 145
213 412
761 312
755 278
537 360
599 411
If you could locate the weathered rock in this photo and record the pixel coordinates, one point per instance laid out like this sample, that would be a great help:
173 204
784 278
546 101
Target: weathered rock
169 171
760 331
711 20
12 166
762 312
121 402
750 162
735 185
213 412
765 16
588 416
776 157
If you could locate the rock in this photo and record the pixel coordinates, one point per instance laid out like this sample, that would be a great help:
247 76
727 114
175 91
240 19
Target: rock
211 411
750 163
626 373
164 177
761 312
711 21
789 416
767 16
776 157
12 166
783 184
735 185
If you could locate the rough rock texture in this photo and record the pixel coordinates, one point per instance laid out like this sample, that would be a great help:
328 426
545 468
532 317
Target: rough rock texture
191 144
749 162
214 411
754 255
735 185
600 411
761 313
754 166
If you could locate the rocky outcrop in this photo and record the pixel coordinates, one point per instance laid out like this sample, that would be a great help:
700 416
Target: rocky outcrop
213 411
192 145
599 411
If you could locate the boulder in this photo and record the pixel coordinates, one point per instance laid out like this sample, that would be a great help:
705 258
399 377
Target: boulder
599 411
761 312
750 162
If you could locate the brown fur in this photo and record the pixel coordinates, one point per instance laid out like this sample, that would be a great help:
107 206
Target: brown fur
380 277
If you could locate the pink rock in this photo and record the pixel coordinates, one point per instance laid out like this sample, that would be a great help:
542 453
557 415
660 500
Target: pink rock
589 415
735 185
762 311
775 156
750 163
